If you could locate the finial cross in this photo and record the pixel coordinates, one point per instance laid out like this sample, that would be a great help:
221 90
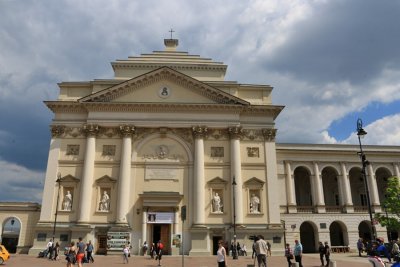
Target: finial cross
171 31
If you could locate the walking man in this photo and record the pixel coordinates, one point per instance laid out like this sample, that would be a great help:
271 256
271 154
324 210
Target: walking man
261 250
298 252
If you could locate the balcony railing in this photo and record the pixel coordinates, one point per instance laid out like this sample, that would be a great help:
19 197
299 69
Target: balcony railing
333 209
360 209
305 209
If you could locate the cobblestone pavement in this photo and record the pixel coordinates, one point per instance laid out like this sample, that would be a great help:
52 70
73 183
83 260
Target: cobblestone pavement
309 260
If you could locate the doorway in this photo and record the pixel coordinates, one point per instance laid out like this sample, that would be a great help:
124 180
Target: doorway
215 243
162 232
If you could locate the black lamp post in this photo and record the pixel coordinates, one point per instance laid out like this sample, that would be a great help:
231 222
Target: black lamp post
58 197
389 233
234 249
361 133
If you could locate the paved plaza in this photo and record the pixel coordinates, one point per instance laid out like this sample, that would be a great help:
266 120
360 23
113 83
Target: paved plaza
309 260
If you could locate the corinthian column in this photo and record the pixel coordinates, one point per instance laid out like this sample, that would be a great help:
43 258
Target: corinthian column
272 176
86 185
236 134
318 189
199 183
373 188
124 188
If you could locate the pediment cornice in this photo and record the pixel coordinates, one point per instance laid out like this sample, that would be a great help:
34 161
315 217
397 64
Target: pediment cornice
163 73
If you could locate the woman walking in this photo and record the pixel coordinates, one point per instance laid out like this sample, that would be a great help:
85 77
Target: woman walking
221 254
71 254
126 254
289 254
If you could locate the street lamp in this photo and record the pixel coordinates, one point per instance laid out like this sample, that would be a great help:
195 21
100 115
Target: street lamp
234 250
58 197
361 133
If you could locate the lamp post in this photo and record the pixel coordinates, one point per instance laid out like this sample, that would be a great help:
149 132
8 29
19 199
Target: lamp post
58 197
361 133
234 250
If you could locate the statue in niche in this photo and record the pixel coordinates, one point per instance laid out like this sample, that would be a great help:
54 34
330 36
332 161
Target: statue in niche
216 203
254 204
105 202
67 203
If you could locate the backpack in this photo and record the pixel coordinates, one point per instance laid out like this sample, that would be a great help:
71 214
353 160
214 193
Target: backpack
161 246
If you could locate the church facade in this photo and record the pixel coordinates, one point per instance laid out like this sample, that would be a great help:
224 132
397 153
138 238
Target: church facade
129 155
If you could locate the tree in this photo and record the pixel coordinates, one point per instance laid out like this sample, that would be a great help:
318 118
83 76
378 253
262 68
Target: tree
391 204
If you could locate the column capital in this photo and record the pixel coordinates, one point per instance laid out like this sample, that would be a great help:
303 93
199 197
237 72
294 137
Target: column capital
57 130
127 130
91 130
269 134
200 131
236 132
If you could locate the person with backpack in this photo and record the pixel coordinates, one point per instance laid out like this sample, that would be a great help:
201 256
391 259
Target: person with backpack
159 249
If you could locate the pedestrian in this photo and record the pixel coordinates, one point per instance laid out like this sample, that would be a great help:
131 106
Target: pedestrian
269 248
152 251
159 249
327 253
360 247
221 254
289 254
395 248
80 251
145 247
254 253
71 254
298 252
56 251
244 250
126 252
89 252
261 249
321 250
49 249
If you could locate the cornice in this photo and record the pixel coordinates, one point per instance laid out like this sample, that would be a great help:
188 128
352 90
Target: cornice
65 106
175 66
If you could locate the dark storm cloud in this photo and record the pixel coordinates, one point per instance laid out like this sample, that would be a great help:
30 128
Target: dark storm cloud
342 41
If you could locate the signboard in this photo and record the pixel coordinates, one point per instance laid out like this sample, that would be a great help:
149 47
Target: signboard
160 217
117 240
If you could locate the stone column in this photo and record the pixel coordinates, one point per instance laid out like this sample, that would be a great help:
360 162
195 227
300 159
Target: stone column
144 226
124 188
373 188
86 184
236 134
199 183
290 191
176 221
396 169
318 189
347 201
50 191
271 177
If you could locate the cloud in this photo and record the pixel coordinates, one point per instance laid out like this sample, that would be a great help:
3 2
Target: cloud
20 184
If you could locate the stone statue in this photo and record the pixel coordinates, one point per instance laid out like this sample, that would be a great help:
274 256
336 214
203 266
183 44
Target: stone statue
67 204
105 202
216 203
254 204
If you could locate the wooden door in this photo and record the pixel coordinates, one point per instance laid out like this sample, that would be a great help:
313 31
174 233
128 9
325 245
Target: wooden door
165 238
101 245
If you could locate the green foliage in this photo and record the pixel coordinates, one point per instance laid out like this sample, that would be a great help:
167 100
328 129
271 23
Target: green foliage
391 206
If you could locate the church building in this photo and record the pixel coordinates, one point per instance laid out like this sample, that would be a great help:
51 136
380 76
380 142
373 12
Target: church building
169 150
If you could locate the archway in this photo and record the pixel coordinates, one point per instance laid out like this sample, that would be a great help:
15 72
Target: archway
10 234
307 237
337 234
302 187
331 187
364 230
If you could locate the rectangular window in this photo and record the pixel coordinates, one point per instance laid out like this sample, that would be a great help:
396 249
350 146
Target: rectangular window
41 236
64 237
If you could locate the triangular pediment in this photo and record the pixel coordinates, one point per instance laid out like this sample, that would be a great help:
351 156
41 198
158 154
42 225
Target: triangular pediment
106 179
69 178
163 85
254 182
217 180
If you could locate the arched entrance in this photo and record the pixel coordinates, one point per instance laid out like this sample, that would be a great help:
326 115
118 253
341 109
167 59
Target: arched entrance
338 234
307 237
364 230
10 234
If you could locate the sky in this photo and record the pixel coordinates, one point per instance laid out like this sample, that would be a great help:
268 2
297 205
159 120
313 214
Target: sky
330 63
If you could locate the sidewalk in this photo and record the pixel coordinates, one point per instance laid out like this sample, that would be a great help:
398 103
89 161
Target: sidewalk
309 260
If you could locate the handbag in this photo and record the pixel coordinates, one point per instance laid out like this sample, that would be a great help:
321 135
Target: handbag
291 256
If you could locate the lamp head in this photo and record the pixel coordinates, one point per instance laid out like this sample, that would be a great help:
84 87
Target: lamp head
360 131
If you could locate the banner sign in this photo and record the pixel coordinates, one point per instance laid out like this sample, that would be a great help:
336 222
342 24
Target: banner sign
117 240
160 217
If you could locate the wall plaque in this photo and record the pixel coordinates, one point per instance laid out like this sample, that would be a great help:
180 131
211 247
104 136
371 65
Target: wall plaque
162 173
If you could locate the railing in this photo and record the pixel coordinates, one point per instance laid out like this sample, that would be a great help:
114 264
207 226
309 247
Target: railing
360 209
333 209
305 209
